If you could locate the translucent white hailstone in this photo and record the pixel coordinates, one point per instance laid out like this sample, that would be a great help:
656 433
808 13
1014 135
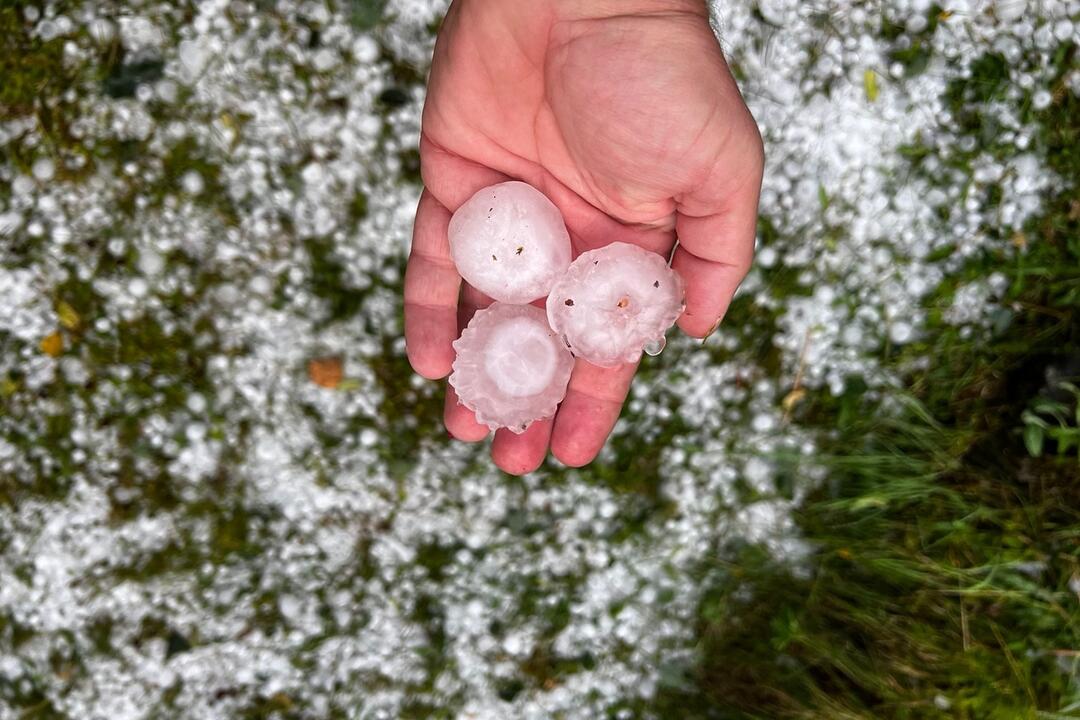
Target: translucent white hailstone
510 369
614 302
509 242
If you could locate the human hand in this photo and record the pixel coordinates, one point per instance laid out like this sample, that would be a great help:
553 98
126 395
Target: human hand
622 112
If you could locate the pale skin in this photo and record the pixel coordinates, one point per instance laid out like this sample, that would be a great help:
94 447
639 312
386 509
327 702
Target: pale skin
624 113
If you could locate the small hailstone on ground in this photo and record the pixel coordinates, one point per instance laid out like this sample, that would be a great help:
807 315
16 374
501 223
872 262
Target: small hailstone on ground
613 302
192 182
509 242
510 368
900 332
43 169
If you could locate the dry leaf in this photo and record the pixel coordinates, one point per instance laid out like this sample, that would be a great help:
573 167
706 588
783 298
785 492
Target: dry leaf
53 344
326 372
282 701
870 85
67 315
792 399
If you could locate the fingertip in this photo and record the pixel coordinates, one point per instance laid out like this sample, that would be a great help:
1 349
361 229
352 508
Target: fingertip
589 411
572 452
515 466
580 432
697 326
710 287
460 421
512 461
521 454
430 367
431 364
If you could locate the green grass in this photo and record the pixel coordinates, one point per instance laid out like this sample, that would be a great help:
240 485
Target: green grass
946 541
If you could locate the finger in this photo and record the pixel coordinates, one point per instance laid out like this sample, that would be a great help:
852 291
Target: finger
471 301
710 287
716 224
520 454
461 421
431 292
594 399
451 178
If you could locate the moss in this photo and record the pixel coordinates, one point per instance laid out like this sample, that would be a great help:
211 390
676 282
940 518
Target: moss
412 416
328 281
32 69
915 54
365 14
124 78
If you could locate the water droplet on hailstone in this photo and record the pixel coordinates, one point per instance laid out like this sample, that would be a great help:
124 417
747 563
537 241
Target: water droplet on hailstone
509 242
615 301
655 347
510 369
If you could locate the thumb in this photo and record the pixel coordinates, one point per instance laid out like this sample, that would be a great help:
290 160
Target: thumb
716 224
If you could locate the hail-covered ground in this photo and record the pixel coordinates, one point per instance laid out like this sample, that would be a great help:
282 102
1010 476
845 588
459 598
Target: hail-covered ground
224 494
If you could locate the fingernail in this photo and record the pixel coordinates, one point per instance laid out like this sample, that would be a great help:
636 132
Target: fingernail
713 329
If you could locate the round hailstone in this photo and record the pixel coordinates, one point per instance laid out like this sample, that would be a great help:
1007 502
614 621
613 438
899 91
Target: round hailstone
510 369
509 242
614 302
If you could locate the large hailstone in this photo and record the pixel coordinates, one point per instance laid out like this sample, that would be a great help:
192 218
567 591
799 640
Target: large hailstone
614 302
510 369
509 242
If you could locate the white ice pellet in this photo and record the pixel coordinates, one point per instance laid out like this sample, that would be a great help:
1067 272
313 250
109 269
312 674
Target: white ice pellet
43 169
167 91
194 55
196 403
901 332
192 182
510 368
22 185
365 49
324 59
195 432
150 262
766 257
1010 10
10 222
101 30
613 302
509 242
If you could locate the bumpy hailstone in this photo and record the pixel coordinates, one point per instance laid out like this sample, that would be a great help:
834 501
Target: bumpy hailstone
613 302
510 369
509 242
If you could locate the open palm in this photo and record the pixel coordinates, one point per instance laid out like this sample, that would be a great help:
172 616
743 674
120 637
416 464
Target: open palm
624 114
